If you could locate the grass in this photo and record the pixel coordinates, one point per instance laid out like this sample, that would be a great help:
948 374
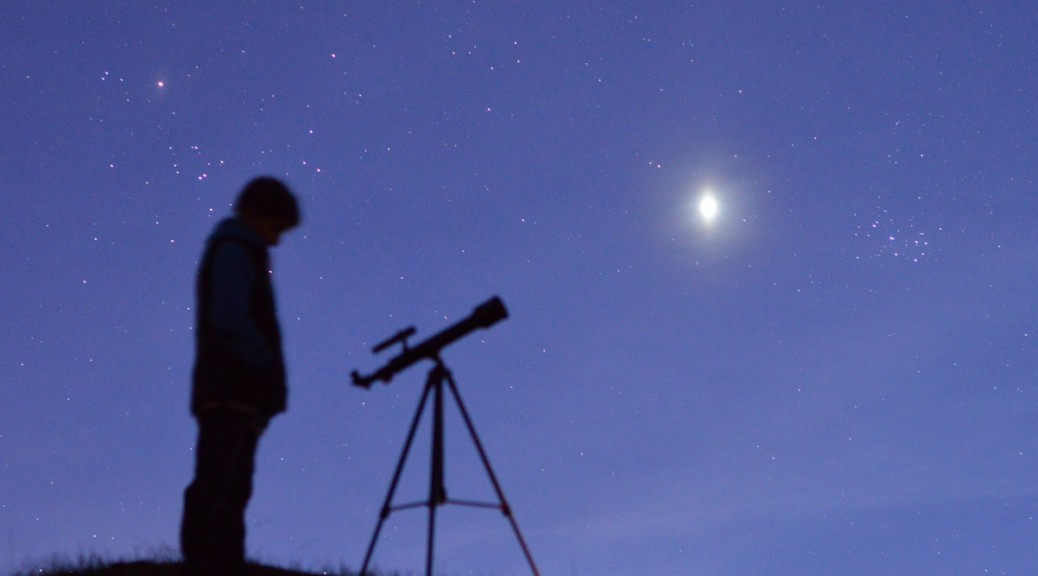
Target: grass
165 564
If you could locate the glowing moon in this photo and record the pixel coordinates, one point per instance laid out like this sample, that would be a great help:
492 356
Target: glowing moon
708 207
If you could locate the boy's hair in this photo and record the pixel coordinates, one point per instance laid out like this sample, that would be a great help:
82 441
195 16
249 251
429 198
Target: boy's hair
268 197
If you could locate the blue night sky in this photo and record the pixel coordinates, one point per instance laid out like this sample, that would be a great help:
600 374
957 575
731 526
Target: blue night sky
834 375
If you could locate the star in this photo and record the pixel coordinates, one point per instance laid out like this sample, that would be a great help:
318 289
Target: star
708 207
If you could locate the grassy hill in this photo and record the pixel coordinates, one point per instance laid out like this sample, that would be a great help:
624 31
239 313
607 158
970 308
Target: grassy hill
95 566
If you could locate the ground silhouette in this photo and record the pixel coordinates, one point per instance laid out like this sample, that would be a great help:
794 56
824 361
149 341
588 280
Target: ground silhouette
97 567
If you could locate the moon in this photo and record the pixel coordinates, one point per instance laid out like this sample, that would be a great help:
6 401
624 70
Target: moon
708 207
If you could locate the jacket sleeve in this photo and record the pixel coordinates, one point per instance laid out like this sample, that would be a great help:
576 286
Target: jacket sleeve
233 280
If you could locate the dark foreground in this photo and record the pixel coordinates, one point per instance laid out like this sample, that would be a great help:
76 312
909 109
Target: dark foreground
152 568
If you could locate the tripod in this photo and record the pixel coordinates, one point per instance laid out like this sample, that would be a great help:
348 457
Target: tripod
438 375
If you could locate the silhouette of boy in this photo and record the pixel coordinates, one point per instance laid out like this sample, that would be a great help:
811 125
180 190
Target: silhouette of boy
239 374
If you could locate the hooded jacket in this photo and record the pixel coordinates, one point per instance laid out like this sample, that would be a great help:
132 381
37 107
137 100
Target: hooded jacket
239 361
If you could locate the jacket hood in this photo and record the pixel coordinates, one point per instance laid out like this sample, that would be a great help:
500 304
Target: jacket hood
234 227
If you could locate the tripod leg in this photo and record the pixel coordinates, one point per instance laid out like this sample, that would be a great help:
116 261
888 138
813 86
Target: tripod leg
429 540
505 508
437 488
386 505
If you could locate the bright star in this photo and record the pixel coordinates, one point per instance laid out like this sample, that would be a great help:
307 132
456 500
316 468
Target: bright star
708 207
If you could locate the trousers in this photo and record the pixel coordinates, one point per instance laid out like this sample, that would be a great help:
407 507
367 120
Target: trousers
212 531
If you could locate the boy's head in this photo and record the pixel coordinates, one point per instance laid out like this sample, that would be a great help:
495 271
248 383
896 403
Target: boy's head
268 207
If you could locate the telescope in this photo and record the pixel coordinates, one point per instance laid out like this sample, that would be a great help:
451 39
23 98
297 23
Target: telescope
483 316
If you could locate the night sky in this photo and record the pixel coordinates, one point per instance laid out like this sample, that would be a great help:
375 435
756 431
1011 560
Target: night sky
836 374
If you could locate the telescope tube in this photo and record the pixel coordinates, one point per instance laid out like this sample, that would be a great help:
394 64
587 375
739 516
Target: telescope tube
483 316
